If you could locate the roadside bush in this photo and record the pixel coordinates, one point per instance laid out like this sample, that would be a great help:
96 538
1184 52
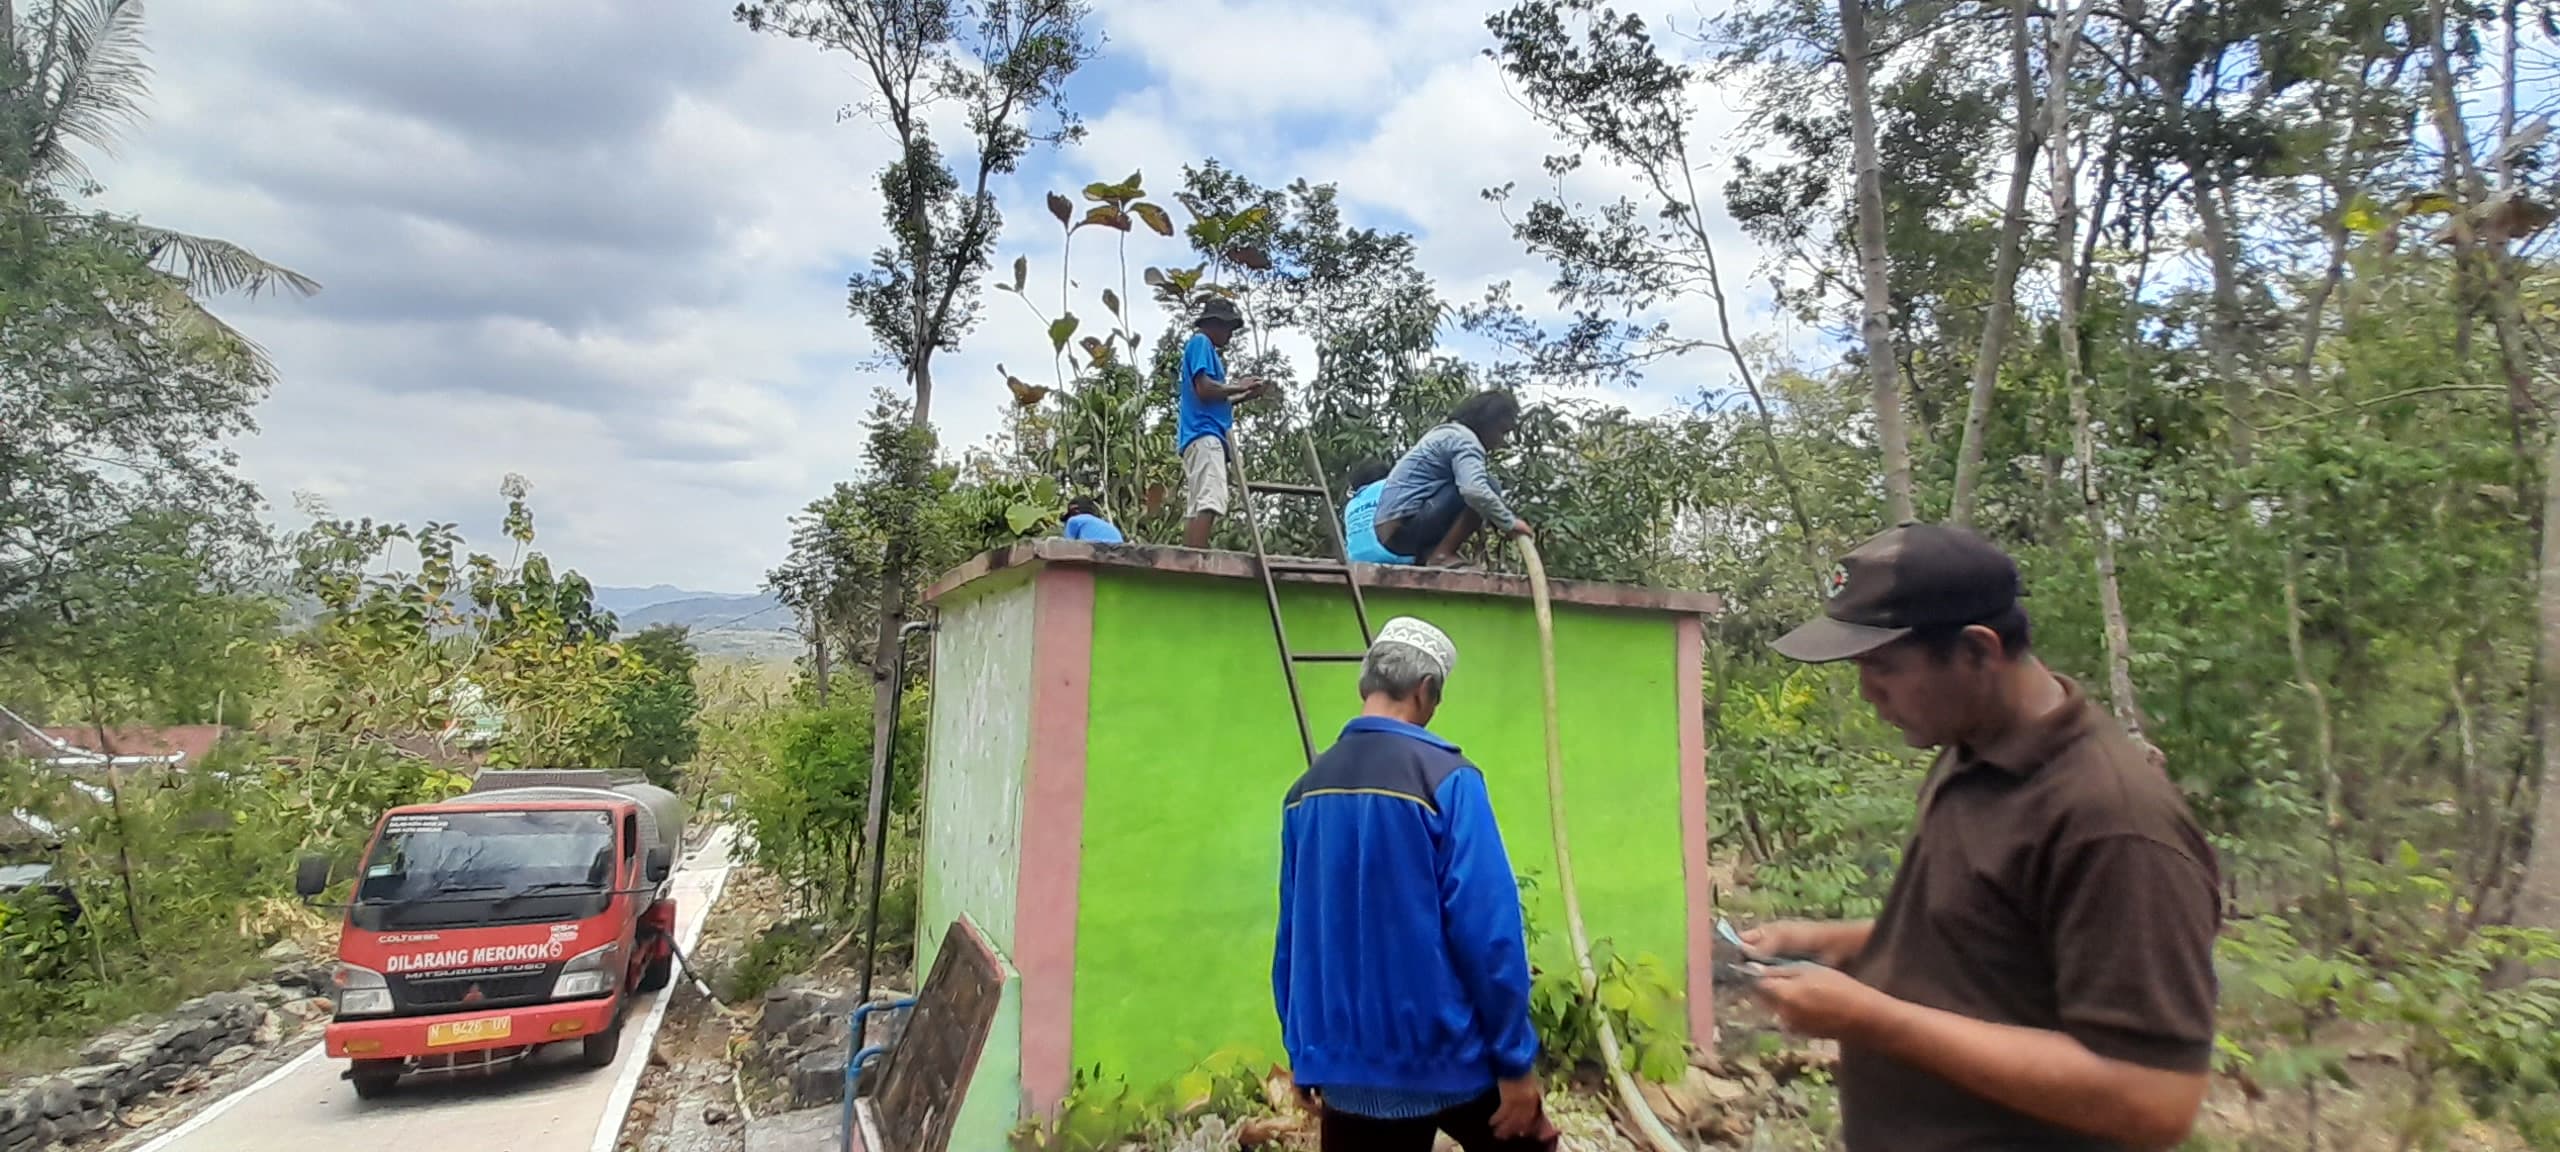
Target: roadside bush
1639 996
804 799
1102 1113
782 950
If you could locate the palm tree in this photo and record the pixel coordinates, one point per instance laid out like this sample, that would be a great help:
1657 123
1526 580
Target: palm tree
72 76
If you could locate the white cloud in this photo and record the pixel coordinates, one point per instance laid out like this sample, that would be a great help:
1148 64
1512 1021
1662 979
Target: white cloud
604 243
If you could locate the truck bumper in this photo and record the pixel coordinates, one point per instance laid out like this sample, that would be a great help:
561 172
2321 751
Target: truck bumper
452 1033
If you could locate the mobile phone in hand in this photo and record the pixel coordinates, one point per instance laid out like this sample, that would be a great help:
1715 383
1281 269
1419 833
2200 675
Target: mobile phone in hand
1740 963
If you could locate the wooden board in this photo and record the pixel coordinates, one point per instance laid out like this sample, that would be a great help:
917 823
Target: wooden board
931 1064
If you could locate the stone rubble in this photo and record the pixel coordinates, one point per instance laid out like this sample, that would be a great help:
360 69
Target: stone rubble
799 1039
184 1047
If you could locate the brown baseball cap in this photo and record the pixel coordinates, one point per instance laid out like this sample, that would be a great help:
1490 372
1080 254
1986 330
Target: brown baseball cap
1901 580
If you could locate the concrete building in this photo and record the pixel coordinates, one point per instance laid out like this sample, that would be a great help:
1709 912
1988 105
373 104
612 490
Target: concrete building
1111 739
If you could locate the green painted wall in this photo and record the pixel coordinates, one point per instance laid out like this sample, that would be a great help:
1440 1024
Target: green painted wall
1192 747
980 744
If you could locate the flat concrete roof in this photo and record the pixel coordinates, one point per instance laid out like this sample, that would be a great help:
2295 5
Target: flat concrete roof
1240 566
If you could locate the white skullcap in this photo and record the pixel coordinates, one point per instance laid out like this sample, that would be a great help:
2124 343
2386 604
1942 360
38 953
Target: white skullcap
1420 637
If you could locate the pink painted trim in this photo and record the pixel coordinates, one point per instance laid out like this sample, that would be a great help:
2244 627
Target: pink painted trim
1690 651
1045 889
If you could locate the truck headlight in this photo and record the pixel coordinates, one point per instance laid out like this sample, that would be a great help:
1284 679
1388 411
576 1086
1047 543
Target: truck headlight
590 973
360 991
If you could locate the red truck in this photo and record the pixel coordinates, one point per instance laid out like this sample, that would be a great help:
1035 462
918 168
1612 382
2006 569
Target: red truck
527 911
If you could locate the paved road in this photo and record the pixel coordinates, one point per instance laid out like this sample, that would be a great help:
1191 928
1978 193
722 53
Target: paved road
549 1103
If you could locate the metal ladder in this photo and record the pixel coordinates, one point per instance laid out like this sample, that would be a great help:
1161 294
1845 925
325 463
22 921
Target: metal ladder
1337 568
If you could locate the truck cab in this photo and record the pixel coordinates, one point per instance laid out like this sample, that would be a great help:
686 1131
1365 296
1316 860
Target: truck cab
484 927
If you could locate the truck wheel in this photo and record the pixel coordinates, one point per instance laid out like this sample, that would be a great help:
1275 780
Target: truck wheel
374 1079
599 1048
657 974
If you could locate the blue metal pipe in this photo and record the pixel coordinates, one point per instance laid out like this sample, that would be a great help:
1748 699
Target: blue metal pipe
858 1055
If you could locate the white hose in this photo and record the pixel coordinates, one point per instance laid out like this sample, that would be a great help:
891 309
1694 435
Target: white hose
1647 1124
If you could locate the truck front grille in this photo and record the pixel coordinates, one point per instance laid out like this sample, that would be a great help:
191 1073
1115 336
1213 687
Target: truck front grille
414 994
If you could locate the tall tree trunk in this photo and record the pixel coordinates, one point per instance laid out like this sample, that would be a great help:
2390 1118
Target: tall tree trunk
2238 394
2066 220
2324 742
2538 896
1874 268
821 667
888 669
2538 901
2004 275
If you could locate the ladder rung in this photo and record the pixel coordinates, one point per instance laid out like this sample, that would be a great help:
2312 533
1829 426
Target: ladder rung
1276 489
1328 657
1315 567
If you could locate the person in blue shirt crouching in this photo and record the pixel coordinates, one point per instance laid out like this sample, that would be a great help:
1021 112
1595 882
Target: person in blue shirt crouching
1085 522
1366 482
1400 972
1439 494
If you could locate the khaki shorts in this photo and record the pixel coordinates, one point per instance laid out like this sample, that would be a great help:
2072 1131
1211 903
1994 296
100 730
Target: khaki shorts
1204 477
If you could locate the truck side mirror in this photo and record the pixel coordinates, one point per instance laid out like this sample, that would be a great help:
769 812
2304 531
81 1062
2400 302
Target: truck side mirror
311 875
661 863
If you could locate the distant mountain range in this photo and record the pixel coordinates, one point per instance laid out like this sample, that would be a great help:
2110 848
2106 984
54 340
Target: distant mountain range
751 626
621 600
758 612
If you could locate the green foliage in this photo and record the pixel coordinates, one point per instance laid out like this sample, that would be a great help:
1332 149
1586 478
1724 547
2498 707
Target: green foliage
805 798
1639 997
779 950
116 382
2471 1033
1102 1113
939 514
1817 820
408 652
156 616
206 857
659 705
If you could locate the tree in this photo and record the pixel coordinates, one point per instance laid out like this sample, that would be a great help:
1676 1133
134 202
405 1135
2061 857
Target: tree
658 706
1893 443
2064 181
1595 77
399 655
1003 62
117 386
2004 276
160 618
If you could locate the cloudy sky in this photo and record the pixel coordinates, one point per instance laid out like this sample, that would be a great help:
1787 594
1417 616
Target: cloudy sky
603 243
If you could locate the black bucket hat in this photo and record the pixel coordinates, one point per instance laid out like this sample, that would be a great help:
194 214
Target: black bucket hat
1219 310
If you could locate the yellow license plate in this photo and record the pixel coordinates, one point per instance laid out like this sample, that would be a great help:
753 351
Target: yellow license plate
453 1032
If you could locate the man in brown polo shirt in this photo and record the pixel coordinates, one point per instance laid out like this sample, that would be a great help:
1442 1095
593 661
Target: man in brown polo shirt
2041 976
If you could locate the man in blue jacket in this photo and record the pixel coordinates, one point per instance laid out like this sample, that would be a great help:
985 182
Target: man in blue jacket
1401 973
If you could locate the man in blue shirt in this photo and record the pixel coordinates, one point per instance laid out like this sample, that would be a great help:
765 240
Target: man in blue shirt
1359 516
1085 522
1205 417
1400 971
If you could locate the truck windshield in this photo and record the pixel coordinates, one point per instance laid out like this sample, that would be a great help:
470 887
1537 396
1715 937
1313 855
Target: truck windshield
434 856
